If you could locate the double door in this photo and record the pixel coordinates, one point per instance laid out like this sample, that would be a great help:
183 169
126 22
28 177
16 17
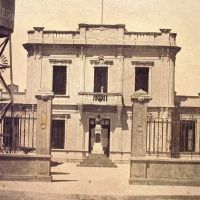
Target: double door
105 135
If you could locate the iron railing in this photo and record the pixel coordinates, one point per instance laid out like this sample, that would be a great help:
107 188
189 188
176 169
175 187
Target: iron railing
160 137
23 137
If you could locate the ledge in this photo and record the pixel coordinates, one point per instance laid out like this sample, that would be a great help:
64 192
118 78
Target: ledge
65 150
167 160
25 156
61 96
135 181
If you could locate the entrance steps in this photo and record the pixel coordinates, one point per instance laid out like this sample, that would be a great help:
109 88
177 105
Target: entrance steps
97 160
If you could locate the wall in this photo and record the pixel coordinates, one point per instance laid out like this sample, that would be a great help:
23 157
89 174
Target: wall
165 171
25 167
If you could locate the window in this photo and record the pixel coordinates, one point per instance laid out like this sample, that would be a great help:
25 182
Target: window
187 136
59 79
100 79
142 79
58 134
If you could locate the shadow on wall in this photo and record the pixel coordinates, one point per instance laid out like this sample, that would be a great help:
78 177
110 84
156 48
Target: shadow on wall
125 117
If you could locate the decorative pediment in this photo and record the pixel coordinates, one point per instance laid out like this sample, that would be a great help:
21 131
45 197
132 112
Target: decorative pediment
100 60
58 61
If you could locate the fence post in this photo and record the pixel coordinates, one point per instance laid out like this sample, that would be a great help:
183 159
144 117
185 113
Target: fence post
44 102
175 144
138 135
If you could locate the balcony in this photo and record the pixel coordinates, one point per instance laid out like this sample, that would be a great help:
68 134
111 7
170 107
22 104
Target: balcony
90 98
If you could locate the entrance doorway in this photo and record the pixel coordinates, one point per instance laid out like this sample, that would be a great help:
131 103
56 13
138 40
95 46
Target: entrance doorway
105 124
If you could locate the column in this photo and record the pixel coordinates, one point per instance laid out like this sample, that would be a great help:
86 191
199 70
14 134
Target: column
140 100
175 142
43 138
139 124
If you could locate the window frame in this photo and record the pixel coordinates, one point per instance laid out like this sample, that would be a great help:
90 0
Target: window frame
106 67
66 78
143 64
61 61
147 81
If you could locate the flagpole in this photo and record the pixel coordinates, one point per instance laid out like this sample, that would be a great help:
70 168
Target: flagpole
102 13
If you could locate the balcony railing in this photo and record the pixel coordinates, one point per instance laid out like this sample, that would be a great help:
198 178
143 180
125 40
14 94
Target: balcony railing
100 98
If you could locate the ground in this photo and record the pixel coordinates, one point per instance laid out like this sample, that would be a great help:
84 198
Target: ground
72 182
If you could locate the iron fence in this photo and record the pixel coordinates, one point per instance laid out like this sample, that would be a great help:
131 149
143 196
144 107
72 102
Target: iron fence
162 137
18 133
159 137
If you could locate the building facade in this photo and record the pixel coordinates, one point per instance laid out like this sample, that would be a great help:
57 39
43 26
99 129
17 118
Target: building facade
94 71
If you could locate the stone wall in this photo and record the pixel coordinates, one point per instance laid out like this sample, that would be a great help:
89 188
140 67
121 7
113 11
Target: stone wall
158 171
21 167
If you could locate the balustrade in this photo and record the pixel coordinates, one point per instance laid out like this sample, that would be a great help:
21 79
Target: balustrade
130 38
100 98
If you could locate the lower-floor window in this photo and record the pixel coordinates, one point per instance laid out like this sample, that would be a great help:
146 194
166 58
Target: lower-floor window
58 134
187 136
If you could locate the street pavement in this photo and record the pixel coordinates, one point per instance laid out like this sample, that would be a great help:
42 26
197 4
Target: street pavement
72 182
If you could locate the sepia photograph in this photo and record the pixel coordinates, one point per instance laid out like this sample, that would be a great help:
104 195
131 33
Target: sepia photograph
99 99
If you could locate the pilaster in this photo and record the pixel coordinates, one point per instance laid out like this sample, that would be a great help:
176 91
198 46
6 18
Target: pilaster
120 70
82 70
165 36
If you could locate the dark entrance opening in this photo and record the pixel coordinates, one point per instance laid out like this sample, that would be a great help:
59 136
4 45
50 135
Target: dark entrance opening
100 79
58 134
105 135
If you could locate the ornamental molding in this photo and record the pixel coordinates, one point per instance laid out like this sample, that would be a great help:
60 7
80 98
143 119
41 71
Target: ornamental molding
143 63
101 61
60 61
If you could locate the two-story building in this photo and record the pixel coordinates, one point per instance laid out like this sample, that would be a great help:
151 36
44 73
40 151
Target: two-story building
94 71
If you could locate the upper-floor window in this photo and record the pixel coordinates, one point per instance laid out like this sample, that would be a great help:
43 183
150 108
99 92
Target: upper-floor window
101 79
142 79
59 79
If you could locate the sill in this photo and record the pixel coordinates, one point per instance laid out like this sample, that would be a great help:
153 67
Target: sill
61 96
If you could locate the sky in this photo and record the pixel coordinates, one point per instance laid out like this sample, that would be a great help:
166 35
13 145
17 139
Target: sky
182 16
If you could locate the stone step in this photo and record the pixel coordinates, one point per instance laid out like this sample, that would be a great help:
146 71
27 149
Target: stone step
97 163
96 160
97 156
92 165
